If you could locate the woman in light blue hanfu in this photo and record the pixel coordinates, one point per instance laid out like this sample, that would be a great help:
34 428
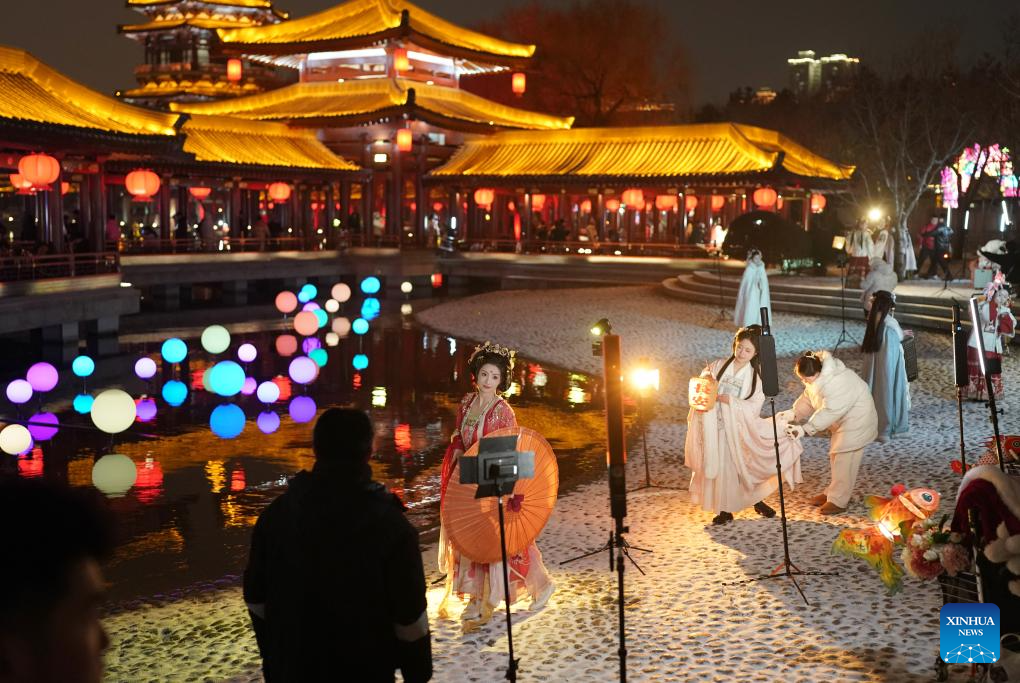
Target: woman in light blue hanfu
884 368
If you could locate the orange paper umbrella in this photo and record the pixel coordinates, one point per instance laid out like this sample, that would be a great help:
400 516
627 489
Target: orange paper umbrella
472 524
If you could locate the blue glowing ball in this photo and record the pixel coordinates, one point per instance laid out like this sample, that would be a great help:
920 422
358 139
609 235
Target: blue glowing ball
83 404
227 420
268 422
226 378
360 361
319 356
302 409
175 393
174 350
307 293
370 308
83 366
360 326
370 285
322 317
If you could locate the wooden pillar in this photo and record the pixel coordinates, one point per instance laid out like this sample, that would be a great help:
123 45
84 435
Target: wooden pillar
328 230
53 213
394 221
238 227
165 228
99 210
85 206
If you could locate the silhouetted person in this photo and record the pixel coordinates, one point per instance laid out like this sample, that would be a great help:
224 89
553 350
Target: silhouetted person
51 584
1009 262
334 584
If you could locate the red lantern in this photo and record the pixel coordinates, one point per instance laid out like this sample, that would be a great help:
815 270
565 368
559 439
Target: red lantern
484 197
817 203
634 198
142 184
437 280
437 206
39 169
518 83
404 140
718 202
400 61
586 206
665 202
200 193
537 202
279 192
690 203
65 187
20 184
764 197
612 205
233 70
779 203
511 206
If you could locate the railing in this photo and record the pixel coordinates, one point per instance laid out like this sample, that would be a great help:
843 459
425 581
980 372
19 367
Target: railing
231 245
577 248
30 267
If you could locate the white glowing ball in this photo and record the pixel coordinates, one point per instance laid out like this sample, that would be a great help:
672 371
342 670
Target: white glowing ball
342 326
114 474
406 309
15 439
113 411
406 287
332 306
215 339
341 292
332 339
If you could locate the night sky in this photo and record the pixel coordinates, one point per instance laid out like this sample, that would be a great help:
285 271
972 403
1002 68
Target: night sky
731 44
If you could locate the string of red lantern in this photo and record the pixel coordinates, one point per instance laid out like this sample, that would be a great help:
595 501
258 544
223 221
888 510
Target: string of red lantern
142 184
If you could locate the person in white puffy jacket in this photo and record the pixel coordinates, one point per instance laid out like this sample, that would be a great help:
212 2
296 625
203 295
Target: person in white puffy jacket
836 400
880 278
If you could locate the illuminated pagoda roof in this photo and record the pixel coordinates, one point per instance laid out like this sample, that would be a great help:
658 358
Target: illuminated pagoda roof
244 4
202 87
367 23
326 104
702 150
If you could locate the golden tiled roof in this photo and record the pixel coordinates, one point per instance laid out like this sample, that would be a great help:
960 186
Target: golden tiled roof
232 141
168 24
357 18
32 91
201 88
257 4
317 101
652 151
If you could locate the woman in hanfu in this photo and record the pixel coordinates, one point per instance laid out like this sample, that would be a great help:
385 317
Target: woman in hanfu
730 448
482 412
997 322
885 369
753 293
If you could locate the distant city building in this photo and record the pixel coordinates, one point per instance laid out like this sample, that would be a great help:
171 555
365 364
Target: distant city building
764 95
829 75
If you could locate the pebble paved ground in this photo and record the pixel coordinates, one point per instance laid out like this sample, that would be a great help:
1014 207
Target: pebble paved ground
683 622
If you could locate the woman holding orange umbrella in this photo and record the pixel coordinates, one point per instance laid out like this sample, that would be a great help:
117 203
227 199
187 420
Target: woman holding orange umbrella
483 412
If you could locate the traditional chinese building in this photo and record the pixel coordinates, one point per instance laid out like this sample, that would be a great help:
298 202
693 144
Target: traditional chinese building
182 62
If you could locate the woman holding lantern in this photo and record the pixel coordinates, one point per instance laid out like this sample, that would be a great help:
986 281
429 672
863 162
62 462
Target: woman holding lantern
729 446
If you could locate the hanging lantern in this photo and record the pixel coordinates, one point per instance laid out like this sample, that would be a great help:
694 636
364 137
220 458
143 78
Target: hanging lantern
39 169
142 184
665 202
233 70
279 192
690 203
718 202
484 197
702 393
20 184
518 83
764 197
511 206
404 140
437 207
65 187
633 198
437 280
612 205
400 61
200 193
537 202
817 203
586 206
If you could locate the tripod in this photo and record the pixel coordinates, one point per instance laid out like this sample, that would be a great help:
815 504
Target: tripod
844 336
644 446
723 313
948 279
511 667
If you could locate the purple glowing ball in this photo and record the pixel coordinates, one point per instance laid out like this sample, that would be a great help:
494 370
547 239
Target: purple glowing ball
145 410
249 386
310 306
20 391
44 427
42 377
302 409
268 422
246 353
303 370
145 368
310 344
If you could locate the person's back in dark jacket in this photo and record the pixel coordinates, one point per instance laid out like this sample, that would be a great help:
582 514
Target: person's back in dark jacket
336 572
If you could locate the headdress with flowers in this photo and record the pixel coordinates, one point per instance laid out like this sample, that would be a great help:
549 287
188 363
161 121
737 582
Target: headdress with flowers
488 347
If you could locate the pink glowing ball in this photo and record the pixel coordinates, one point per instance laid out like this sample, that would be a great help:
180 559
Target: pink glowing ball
306 323
303 370
42 377
341 292
145 409
286 345
286 302
246 353
249 386
145 368
310 306
20 391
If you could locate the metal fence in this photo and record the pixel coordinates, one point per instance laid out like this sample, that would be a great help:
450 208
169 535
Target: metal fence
28 266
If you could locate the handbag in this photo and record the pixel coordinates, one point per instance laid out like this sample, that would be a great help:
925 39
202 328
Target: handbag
702 393
910 357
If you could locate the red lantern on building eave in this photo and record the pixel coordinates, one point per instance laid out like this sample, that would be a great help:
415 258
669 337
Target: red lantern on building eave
279 192
665 202
39 169
437 207
585 206
633 198
142 184
817 203
537 202
718 202
690 203
20 184
405 141
518 83
764 197
484 197
612 205
400 61
234 70
200 192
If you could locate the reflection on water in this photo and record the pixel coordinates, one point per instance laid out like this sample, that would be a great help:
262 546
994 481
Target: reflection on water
205 465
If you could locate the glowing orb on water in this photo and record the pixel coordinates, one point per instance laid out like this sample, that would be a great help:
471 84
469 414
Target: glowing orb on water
406 287
286 345
319 356
302 409
146 409
246 353
370 285
360 326
321 316
42 376
83 366
15 439
82 404
145 368
19 391
173 350
227 421
268 422
175 392
370 308
332 306
310 344
268 392
286 302
306 323
215 339
360 361
113 411
341 292
332 339
303 370
226 378
114 474
45 426
342 326
249 386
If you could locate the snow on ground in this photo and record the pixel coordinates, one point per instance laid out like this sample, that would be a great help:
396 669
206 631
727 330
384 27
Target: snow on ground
683 621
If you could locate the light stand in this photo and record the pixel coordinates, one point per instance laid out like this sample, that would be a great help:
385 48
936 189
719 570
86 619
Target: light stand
646 380
961 376
839 243
975 320
723 313
947 279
